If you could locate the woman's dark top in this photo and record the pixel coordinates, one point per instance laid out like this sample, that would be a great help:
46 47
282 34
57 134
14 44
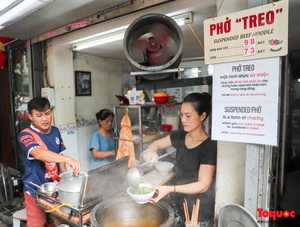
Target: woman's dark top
188 162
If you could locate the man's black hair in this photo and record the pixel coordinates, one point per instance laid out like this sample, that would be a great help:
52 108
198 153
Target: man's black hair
38 103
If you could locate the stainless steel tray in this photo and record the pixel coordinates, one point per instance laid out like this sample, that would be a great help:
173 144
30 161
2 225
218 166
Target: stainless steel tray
76 217
105 182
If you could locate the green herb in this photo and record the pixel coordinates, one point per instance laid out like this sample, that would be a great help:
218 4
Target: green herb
140 190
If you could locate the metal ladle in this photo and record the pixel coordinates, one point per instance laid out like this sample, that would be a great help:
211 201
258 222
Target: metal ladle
133 175
37 186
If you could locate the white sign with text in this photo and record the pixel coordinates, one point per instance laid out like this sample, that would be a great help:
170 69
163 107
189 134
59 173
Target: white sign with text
259 32
245 101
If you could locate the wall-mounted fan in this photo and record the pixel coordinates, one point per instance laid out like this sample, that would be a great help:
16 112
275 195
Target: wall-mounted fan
152 43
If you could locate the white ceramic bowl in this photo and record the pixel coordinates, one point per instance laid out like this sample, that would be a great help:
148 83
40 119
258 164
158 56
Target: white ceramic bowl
164 167
142 194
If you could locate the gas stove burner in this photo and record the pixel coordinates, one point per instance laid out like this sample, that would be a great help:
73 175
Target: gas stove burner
179 220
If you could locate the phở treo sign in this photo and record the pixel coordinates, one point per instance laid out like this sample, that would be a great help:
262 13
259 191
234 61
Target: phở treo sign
254 33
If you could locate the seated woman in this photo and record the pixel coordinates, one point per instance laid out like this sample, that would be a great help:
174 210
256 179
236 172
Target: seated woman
102 143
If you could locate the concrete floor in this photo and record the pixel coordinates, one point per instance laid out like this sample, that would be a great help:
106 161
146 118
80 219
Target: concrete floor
6 212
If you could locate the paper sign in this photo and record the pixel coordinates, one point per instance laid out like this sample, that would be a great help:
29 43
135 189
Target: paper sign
245 101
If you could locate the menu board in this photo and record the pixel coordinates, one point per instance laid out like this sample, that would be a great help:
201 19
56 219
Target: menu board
245 101
259 32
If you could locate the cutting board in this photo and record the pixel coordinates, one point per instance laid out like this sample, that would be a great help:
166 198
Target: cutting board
156 178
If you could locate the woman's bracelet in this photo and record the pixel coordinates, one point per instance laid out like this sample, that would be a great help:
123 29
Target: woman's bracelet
174 188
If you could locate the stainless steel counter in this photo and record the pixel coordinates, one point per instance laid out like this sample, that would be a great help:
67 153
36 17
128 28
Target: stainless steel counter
105 182
101 183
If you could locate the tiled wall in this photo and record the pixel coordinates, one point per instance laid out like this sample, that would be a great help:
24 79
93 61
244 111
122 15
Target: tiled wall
84 137
77 139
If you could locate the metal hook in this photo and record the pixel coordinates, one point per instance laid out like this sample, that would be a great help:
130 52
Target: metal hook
218 9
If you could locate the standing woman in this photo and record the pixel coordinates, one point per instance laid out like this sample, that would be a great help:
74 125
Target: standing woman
102 143
195 159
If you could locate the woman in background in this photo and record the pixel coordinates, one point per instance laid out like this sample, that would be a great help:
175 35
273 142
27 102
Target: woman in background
102 143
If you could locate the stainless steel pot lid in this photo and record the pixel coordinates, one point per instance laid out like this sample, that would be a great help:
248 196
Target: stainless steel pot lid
236 216
70 183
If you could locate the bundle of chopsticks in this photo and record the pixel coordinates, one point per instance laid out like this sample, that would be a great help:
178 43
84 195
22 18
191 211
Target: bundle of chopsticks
193 221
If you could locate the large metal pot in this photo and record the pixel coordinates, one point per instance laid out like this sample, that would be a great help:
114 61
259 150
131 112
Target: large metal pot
69 189
124 212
